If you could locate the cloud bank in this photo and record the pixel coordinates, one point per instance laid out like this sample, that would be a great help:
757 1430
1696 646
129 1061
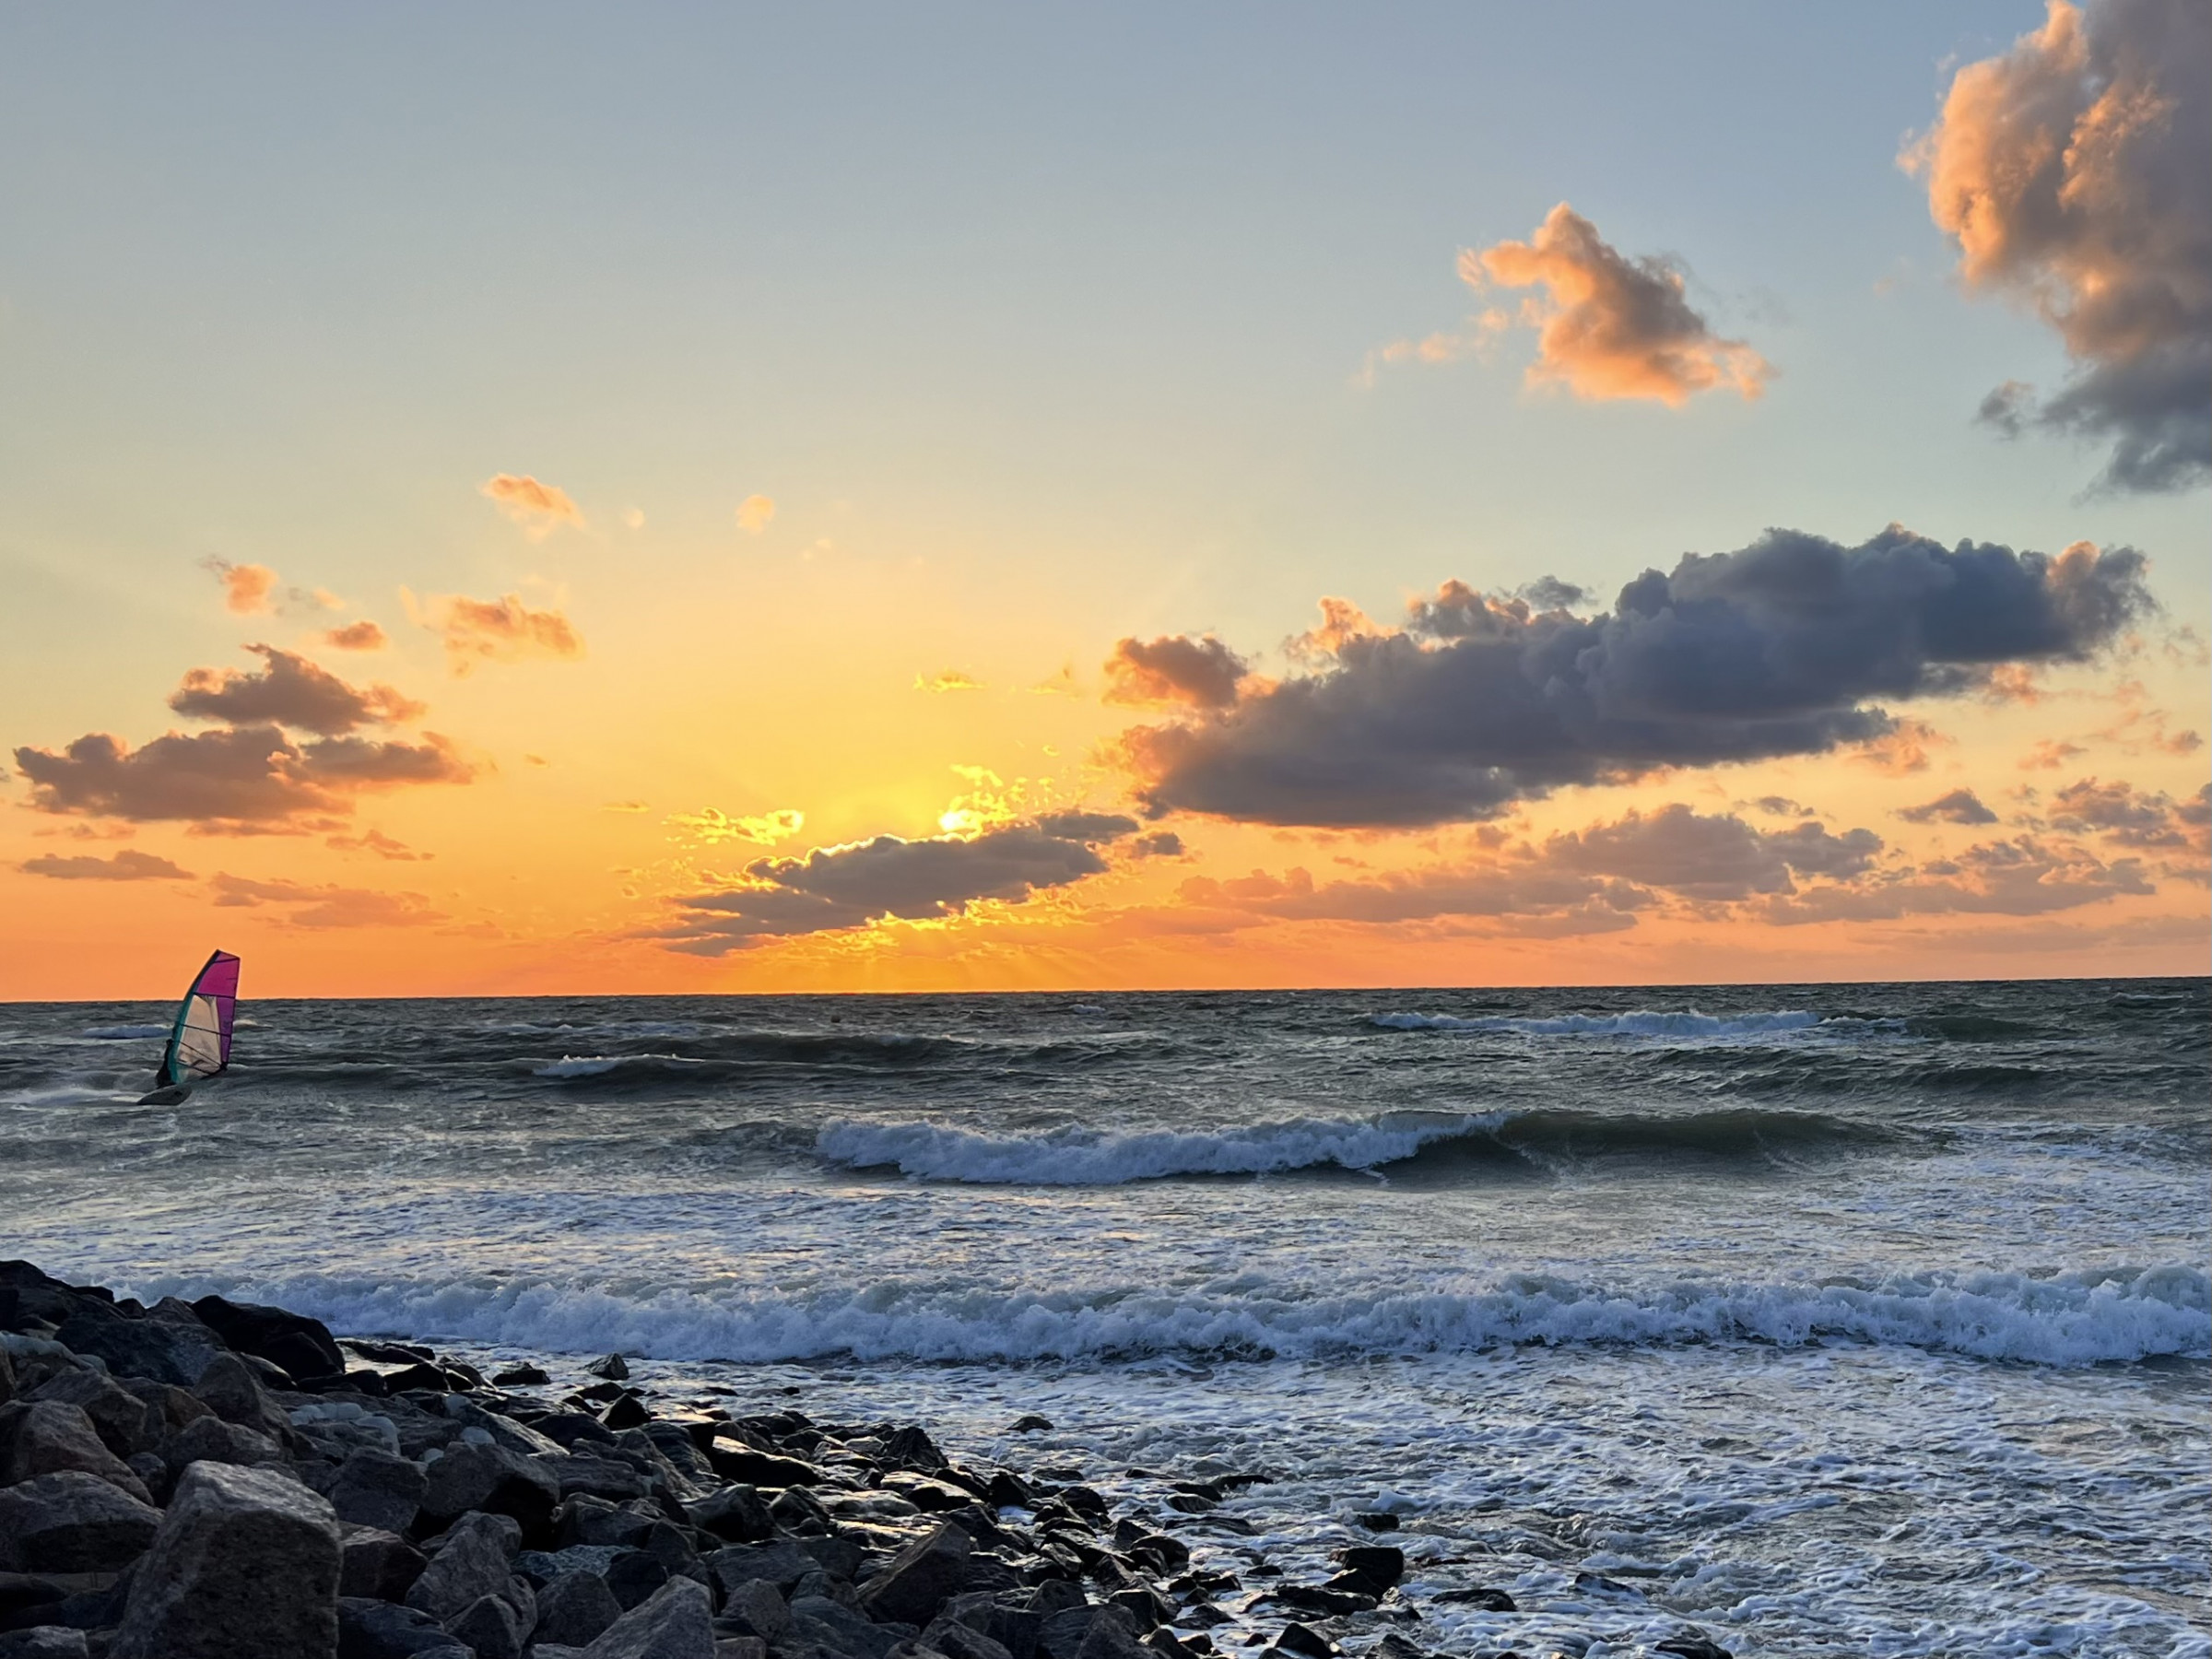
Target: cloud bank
291 691
2070 173
129 864
498 630
1771 651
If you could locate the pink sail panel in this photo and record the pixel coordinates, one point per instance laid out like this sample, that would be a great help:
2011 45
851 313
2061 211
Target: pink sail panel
199 1046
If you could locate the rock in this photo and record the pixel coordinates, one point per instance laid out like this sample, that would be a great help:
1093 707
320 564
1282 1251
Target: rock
491 1627
596 1478
735 1513
1113 1635
673 1623
1394 1646
46 1437
246 1559
118 1416
504 1431
759 1468
166 1350
72 1521
376 1563
303 1347
801 1511
1691 1644
732 1647
760 1610
571 1429
782 1564
840 1558
1377 1520
495 1480
817 1621
628 1412
542 1567
634 1576
1328 1603
1031 1423
211 1440
1483 1596
421 1376
911 1448
476 1560
43 1641
520 1376
230 1389
920 1578
1308 1644
614 1368
958 1641
587 1520
379 1488
1007 1491
1379 1563
574 1609
168 1407
375 1630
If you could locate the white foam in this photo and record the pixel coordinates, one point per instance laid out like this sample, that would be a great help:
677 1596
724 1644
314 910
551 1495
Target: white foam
2076 1319
1640 1023
594 1065
123 1033
1079 1156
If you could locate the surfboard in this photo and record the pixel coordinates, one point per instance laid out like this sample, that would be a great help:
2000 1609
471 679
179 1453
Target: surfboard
199 1042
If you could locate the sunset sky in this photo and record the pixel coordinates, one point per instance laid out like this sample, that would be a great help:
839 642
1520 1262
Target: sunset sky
903 498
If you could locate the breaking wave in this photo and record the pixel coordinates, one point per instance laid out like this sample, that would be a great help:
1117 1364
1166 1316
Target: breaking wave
2093 1317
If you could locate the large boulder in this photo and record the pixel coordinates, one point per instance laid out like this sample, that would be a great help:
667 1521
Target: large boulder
574 1609
378 1564
378 1488
72 1521
495 1480
490 1627
477 1559
783 1564
735 1513
920 1578
167 1349
301 1345
229 1389
377 1629
43 1641
211 1440
44 1437
675 1622
818 1621
246 1561
118 1416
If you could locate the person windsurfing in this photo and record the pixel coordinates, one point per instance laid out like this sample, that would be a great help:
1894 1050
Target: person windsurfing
199 1042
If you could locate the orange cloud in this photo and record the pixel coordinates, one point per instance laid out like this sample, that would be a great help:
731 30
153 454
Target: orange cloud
357 636
754 514
540 509
1908 746
1610 326
289 691
378 843
2062 170
496 630
246 587
325 906
2049 754
1175 668
126 865
952 679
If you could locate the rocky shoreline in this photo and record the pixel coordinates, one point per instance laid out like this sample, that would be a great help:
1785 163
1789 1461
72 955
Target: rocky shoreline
217 1480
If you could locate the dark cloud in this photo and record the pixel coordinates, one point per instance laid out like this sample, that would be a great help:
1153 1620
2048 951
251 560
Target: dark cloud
1160 843
291 691
1719 857
1526 898
1960 806
1548 593
1776 806
231 779
2070 170
2126 816
1203 673
126 865
834 888
306 904
2026 877
1774 650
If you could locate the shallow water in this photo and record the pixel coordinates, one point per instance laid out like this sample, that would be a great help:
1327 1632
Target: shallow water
1828 1319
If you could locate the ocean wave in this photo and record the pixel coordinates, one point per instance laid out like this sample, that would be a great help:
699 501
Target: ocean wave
2099 1316
598 1066
123 1033
1074 1156
1643 1022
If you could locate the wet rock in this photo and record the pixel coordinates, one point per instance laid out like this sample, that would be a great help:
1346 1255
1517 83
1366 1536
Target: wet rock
43 1641
735 1513
1031 1423
1394 1646
574 1609
520 1376
626 1412
231 1389
72 1521
753 1468
1380 1564
1327 1603
675 1623
602 1477
1489 1600
376 1563
389 1353
919 1578
303 1347
379 1488
819 1622
167 1350
211 1440
48 1437
491 1628
1113 1635
1377 1520
245 1560
169 1407
614 1368
503 1430
956 1641
477 1559
375 1630
420 1377
1305 1642
1691 1644
759 1609
840 1558
800 1510
118 1416
495 1480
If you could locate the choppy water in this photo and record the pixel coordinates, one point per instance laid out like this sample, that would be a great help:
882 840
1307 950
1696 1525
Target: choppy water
1831 1319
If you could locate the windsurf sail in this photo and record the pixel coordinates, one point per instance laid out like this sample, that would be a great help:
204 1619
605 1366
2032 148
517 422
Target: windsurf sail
199 1043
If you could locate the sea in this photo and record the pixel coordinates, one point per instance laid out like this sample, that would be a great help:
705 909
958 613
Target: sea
1818 1319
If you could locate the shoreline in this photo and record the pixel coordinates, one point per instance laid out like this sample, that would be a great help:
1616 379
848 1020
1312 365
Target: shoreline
189 1478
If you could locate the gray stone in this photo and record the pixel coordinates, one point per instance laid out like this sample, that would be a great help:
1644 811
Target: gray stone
673 1623
72 1521
118 1416
574 1609
782 1564
495 1480
919 1578
760 1608
490 1626
375 1630
169 1407
587 1520
7 1377
379 1488
545 1566
504 1431
596 1477
246 1560
1113 1635
740 1647
230 1388
957 1640
821 1622
477 1559
46 1437
378 1564
736 1514
43 1641
211 1440
167 1350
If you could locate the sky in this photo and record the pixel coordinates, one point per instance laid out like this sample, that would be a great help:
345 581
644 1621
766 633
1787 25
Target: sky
870 498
